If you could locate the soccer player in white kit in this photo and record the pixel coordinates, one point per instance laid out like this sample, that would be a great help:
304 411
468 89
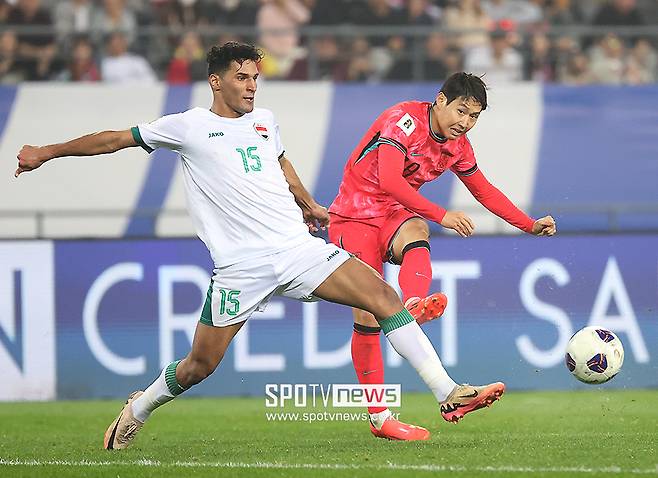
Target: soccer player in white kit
250 209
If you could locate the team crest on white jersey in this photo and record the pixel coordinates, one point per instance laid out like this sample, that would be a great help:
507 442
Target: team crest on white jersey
262 131
406 124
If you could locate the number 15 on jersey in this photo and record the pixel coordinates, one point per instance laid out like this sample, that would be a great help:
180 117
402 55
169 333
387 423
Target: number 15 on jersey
250 159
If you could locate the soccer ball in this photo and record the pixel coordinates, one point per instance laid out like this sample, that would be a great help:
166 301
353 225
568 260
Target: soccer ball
594 355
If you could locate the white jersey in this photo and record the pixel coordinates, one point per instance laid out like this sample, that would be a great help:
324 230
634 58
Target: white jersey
237 195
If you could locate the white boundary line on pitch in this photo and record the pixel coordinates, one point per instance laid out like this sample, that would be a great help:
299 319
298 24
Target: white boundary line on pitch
330 466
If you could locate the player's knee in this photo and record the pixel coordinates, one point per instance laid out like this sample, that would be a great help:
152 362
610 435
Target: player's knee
422 230
416 229
389 296
384 300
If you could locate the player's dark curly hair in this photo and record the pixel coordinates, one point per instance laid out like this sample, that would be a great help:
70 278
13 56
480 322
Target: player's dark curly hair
219 58
466 85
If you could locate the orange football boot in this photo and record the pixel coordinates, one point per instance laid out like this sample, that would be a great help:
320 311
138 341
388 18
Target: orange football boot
429 308
393 429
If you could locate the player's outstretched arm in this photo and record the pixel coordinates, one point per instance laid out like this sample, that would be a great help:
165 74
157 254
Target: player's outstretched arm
315 216
31 157
499 204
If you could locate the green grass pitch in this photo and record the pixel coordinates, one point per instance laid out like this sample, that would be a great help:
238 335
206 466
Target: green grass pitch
598 432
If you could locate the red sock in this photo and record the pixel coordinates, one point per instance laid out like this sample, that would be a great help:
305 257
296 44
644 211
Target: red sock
415 275
367 358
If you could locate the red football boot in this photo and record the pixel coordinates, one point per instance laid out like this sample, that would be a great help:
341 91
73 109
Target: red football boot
429 308
393 429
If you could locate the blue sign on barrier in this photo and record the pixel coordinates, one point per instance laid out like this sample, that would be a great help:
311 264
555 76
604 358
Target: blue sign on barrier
101 318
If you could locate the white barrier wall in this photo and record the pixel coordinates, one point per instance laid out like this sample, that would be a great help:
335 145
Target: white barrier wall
536 143
43 114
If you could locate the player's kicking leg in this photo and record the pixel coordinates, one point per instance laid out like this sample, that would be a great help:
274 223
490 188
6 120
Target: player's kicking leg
410 248
208 348
364 241
357 285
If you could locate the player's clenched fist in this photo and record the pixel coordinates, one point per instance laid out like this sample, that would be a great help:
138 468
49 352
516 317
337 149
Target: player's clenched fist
459 222
29 158
316 217
544 226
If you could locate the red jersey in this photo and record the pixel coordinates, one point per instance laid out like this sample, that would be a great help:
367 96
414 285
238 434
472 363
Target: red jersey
369 188
405 126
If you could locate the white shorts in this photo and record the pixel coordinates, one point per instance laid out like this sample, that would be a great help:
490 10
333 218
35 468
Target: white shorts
239 290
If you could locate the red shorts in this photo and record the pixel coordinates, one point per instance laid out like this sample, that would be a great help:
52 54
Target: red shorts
371 240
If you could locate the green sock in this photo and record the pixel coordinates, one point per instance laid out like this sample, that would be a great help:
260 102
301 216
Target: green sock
170 377
396 321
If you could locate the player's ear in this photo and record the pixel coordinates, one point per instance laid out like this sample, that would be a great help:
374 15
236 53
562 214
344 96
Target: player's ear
441 99
214 81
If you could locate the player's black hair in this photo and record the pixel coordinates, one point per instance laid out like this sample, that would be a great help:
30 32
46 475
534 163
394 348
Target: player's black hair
465 85
219 58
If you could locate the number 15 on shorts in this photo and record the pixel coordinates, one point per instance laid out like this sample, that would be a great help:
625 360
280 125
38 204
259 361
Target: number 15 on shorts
228 302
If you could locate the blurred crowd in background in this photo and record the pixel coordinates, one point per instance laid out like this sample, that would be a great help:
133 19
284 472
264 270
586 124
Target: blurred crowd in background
574 42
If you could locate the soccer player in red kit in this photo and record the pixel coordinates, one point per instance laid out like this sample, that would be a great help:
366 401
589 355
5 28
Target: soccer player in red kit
380 216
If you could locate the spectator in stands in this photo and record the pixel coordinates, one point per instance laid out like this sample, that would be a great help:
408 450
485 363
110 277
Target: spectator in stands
5 8
421 12
453 60
225 38
279 22
327 12
186 13
564 13
564 47
72 17
323 62
468 15
382 47
377 13
360 66
621 13
36 51
9 70
607 60
538 61
498 60
231 12
81 65
434 67
520 12
120 66
641 64
189 62
112 17
618 13
401 50
576 70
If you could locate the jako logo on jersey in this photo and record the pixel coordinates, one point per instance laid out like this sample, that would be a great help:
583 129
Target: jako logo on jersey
406 124
215 134
333 254
261 130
